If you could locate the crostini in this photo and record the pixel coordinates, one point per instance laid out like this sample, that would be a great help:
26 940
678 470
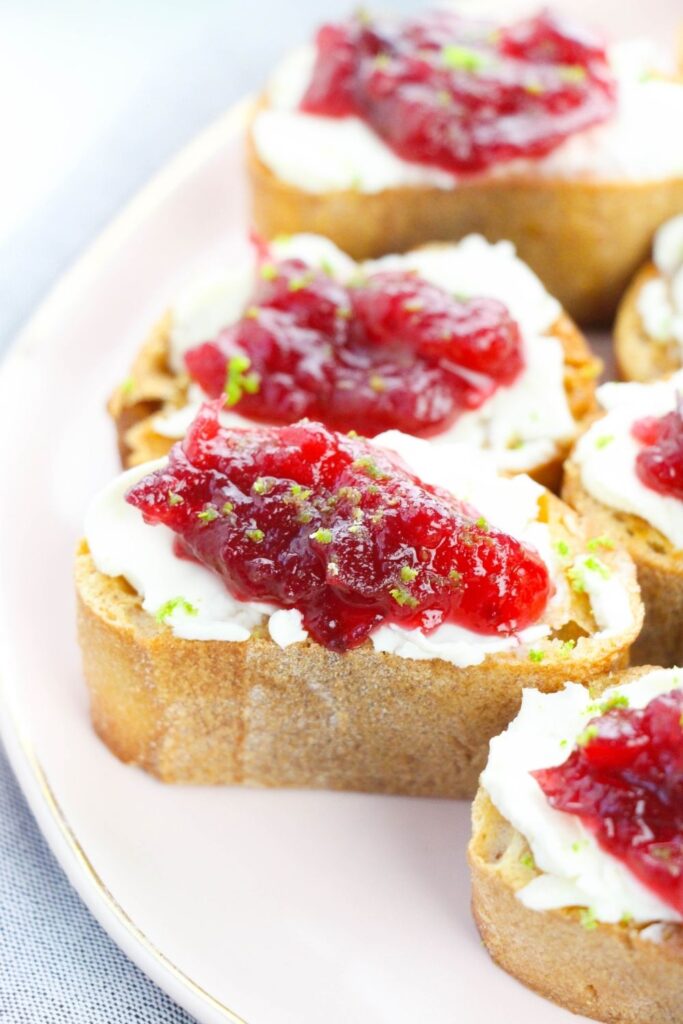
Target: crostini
648 332
577 848
451 342
626 476
290 606
390 133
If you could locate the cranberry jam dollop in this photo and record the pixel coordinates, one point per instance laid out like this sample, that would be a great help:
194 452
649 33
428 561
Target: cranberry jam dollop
463 94
393 351
625 782
306 518
659 464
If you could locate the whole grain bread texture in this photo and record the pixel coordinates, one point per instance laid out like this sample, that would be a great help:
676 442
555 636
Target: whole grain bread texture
659 566
638 356
152 389
609 972
252 713
584 238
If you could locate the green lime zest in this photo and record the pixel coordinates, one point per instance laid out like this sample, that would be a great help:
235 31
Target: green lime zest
588 734
322 535
239 381
262 486
403 598
297 284
207 515
604 440
299 493
408 574
595 565
600 542
566 648
462 58
370 468
572 73
617 700
575 574
172 605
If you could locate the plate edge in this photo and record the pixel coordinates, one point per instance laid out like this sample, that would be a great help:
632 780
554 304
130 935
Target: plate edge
23 759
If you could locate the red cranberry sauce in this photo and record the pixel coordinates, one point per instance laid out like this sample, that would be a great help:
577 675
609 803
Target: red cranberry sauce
463 94
625 782
659 464
305 518
392 352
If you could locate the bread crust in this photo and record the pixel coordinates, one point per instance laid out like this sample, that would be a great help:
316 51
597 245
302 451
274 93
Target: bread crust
659 566
551 221
252 713
638 356
609 973
153 388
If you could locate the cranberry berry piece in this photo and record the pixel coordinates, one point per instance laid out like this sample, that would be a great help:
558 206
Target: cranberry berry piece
624 781
659 464
392 351
305 518
463 94
476 334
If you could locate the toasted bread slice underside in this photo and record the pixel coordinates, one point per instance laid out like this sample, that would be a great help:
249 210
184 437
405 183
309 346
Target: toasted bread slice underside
608 972
658 563
584 239
225 712
152 389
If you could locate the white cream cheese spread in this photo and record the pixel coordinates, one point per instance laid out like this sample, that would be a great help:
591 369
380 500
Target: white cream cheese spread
606 454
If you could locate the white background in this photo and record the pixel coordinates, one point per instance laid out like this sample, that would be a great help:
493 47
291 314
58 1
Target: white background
95 95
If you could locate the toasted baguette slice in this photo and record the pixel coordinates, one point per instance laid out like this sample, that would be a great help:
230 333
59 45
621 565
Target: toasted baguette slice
660 572
152 388
253 713
609 972
584 239
638 356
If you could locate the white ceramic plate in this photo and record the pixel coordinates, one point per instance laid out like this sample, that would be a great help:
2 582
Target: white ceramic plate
281 906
